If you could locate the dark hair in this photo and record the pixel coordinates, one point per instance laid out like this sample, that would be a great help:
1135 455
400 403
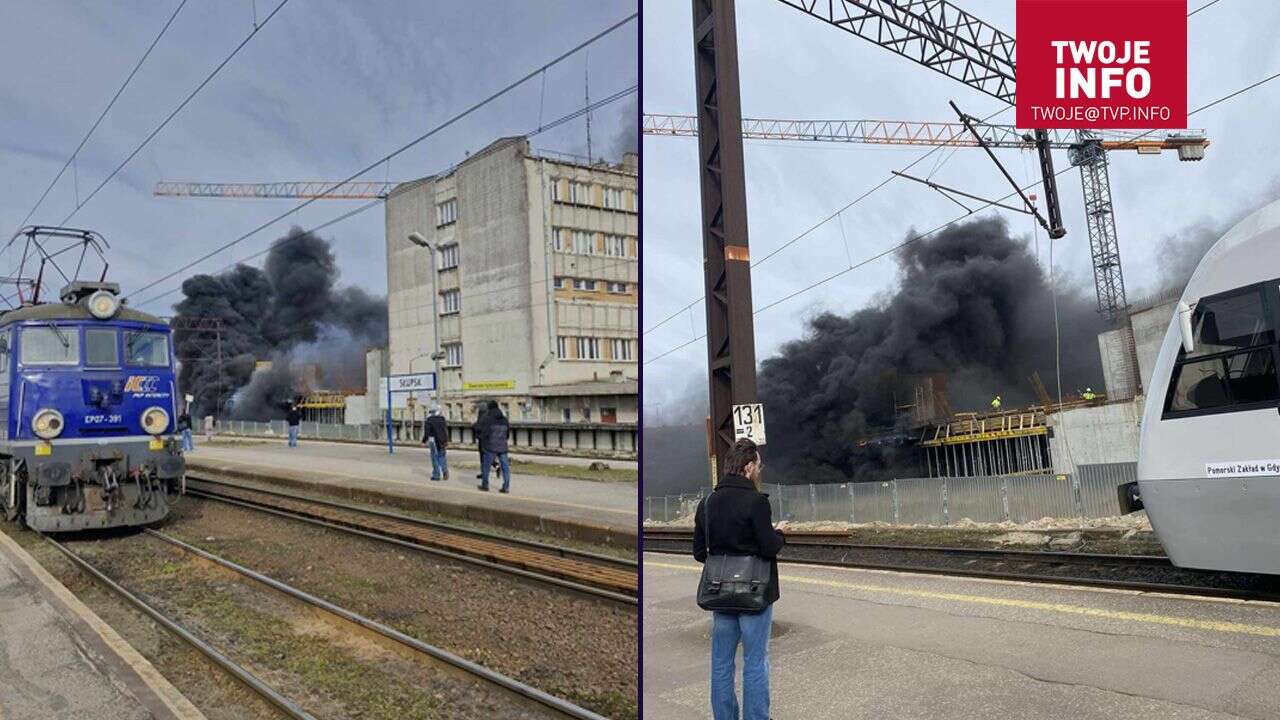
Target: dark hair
743 453
493 404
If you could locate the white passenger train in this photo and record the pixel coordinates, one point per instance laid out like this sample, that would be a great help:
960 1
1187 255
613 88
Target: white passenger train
1209 460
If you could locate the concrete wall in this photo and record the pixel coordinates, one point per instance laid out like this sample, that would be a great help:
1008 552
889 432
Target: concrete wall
1149 328
1098 434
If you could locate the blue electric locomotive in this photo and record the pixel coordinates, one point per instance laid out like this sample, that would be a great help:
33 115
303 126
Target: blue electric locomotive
89 408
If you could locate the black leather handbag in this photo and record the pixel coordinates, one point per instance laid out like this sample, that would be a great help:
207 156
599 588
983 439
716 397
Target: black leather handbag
732 583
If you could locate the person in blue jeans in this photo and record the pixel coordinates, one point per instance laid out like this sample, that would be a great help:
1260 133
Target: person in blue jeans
436 438
294 418
741 523
184 427
493 428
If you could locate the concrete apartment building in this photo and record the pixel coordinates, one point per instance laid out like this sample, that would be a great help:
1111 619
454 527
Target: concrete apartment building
537 285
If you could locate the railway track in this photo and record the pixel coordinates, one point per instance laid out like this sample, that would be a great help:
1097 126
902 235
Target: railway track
592 573
542 702
1147 573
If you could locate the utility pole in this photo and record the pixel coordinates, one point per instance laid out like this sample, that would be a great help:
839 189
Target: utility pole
731 355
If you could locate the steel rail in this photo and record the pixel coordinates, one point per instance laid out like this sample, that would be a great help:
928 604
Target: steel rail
421 522
671 544
527 692
460 557
232 668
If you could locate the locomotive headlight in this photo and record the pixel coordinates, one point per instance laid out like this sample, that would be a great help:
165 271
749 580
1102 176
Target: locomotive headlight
155 420
47 424
103 305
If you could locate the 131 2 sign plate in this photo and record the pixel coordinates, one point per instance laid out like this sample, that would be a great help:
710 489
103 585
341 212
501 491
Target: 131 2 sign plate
748 422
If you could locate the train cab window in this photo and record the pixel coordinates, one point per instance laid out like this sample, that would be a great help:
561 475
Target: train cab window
1233 365
50 345
100 348
149 349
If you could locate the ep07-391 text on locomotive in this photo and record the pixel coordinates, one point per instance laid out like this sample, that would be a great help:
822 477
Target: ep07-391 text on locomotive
88 405
1209 454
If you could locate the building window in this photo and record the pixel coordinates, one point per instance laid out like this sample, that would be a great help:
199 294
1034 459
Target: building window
560 239
615 246
586 414
562 347
450 302
447 212
585 285
565 413
453 354
579 193
588 348
617 287
449 256
621 349
559 283
556 195
613 198
584 243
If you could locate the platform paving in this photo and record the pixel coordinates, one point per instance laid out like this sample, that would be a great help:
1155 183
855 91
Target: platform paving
58 661
584 508
874 644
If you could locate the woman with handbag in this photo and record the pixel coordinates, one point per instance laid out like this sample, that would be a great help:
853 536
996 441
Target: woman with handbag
735 540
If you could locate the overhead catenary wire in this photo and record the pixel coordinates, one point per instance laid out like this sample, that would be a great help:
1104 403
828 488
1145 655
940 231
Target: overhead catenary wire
614 97
922 236
190 96
412 143
71 158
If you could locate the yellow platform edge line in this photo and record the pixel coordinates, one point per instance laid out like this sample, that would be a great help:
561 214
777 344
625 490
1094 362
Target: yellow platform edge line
1221 626
164 691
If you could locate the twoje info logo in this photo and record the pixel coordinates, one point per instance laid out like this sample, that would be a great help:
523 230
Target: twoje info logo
1102 63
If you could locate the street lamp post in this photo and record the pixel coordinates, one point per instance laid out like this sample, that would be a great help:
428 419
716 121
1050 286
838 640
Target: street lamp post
417 239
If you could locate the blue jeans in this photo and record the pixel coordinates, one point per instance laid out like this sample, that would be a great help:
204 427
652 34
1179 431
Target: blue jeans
752 630
293 436
439 463
187 444
486 462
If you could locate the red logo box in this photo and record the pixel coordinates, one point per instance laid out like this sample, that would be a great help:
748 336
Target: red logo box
1102 63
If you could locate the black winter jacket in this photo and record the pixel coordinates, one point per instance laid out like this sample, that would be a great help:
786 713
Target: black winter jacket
293 416
184 422
741 524
437 428
493 428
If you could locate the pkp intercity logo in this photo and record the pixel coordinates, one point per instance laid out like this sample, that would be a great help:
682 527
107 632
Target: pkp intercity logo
1102 64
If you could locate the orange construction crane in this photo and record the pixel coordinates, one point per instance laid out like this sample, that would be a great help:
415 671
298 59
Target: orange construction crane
306 189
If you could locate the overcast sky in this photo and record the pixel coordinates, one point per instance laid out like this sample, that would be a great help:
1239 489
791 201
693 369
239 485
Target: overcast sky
795 66
321 91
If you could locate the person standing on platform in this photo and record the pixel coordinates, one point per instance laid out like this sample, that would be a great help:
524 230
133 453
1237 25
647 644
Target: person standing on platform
294 418
184 427
740 524
493 444
436 438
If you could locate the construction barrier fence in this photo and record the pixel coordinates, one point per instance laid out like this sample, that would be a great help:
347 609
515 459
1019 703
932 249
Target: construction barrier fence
1090 492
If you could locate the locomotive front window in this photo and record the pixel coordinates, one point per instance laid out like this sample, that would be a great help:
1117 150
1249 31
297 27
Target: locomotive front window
100 348
149 349
50 345
1233 366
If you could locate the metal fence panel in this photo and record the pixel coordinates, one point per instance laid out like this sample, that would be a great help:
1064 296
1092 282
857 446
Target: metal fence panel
920 501
975 498
832 502
1032 497
1098 485
872 502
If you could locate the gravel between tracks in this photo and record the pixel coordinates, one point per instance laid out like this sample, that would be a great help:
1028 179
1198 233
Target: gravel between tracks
577 647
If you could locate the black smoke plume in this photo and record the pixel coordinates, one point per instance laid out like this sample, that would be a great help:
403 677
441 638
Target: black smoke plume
290 313
973 304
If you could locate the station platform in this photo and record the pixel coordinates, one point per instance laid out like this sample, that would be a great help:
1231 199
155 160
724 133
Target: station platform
593 511
59 661
853 643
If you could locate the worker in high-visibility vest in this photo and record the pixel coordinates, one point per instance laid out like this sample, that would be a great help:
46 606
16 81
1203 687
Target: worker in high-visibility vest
995 403
1088 394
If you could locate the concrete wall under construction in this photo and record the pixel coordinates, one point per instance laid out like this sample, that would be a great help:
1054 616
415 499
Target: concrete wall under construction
1095 434
1149 328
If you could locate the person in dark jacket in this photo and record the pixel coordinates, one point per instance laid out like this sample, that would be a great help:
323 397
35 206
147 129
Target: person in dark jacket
294 417
494 428
184 427
436 438
740 523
